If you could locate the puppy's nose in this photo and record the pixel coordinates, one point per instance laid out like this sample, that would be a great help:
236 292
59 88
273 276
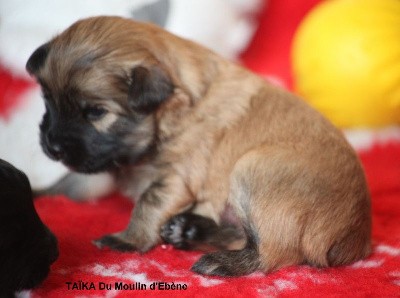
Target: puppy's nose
54 255
54 147
56 150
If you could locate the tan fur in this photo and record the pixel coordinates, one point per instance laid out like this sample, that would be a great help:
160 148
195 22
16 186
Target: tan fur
226 135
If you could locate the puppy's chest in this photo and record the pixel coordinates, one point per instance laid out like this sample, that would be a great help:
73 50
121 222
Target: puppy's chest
134 181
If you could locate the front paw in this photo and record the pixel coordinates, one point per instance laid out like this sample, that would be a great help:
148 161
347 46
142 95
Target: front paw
177 231
186 230
114 242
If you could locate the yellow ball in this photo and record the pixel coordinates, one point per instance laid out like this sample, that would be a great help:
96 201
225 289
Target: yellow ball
346 61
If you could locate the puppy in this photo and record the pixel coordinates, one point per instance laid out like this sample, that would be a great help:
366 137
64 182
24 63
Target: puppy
191 136
27 247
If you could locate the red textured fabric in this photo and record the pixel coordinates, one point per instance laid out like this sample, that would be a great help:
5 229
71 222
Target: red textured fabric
76 224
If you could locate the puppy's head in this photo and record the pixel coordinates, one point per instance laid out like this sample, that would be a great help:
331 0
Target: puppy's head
27 247
102 84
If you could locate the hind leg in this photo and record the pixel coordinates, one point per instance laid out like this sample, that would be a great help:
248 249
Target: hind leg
299 206
261 196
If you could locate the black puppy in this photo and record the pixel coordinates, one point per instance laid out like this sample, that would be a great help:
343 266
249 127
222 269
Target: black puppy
27 246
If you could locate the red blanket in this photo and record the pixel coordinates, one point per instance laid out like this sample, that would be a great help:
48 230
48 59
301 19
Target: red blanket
83 270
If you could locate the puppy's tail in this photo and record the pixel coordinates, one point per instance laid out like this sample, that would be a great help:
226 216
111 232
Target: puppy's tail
350 248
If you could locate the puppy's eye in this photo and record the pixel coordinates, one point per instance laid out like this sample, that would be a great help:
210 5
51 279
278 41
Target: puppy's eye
94 113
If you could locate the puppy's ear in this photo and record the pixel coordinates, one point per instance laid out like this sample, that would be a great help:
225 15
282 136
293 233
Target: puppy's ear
148 89
37 59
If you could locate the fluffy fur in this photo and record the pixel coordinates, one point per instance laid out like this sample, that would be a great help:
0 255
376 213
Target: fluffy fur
27 247
185 131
